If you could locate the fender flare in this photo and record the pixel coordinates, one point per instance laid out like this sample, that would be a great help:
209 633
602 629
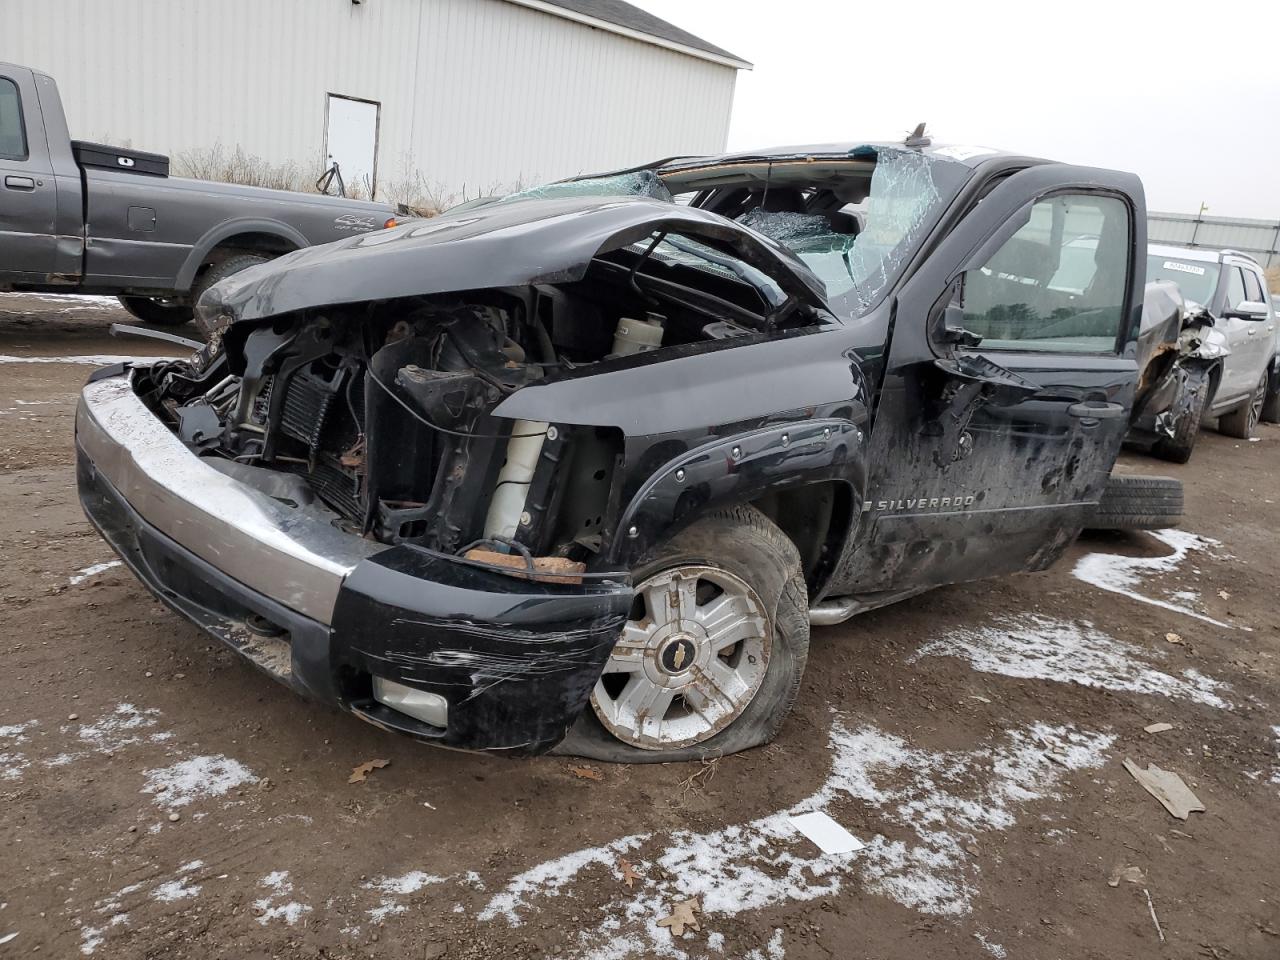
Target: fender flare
226 230
737 469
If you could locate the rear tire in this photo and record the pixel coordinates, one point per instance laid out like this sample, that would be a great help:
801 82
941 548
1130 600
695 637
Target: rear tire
1271 406
745 545
163 313
220 271
1177 449
1138 503
1242 421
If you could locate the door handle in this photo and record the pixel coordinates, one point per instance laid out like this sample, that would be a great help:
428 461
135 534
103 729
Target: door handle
1096 410
1253 332
20 183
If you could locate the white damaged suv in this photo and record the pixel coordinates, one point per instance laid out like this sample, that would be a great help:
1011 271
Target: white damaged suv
1232 287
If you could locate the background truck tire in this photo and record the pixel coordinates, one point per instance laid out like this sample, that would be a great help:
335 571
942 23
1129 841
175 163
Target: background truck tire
1242 421
1271 406
1138 503
163 313
220 271
744 542
1177 449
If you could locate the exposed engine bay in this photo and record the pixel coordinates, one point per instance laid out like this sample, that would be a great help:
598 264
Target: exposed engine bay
382 410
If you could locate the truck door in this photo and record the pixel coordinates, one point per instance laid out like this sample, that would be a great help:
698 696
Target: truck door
1009 382
1246 320
28 196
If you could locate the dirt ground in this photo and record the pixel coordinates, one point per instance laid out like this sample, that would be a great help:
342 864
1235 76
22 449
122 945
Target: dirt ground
161 799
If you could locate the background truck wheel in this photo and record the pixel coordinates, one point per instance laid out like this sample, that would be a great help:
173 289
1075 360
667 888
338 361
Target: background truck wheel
1242 421
1271 406
163 313
220 271
1177 448
1138 503
711 659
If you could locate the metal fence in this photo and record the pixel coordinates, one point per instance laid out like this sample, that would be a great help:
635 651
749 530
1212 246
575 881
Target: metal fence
1258 238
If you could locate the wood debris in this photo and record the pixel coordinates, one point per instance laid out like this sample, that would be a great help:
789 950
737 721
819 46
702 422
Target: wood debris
586 773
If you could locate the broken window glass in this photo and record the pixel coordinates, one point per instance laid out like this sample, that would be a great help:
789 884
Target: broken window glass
637 183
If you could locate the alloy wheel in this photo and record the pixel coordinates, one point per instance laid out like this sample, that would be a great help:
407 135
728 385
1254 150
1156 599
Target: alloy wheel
691 658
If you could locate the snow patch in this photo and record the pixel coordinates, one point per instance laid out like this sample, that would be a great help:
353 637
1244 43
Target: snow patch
17 731
1122 575
943 802
83 574
1036 647
403 886
270 908
118 729
195 779
172 890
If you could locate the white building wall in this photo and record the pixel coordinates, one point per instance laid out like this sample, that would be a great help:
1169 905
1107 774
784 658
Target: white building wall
480 93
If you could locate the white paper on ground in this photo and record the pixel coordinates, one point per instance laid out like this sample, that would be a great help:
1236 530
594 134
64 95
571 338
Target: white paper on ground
826 833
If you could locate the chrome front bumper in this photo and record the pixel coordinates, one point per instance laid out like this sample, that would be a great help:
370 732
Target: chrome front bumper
288 555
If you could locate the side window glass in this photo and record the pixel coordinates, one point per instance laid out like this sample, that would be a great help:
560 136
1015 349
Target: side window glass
1253 287
1059 283
13 139
1235 288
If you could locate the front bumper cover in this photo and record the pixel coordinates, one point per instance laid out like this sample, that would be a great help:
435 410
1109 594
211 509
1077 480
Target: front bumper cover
324 611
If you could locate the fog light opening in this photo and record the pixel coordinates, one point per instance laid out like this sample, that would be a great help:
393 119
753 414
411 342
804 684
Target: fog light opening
428 707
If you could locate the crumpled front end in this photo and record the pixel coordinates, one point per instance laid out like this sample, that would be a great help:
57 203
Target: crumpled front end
440 648
1178 351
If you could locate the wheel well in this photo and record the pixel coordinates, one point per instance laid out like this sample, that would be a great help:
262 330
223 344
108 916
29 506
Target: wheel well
816 518
261 243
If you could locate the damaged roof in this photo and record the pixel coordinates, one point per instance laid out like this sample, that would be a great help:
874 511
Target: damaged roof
632 20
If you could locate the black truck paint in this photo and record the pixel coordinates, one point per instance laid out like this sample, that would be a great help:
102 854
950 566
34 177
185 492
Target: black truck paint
897 449
68 227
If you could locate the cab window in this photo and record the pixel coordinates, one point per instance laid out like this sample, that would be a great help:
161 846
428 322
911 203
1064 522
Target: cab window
1059 283
13 140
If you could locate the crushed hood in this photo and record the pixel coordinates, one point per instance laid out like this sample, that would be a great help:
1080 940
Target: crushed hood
495 245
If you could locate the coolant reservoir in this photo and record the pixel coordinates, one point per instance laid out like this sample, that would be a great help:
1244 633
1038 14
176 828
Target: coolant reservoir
637 336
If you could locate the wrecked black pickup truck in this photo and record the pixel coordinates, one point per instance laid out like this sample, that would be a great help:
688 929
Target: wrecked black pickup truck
579 468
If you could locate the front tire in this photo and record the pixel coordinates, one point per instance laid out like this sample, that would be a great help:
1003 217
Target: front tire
1177 449
163 313
711 659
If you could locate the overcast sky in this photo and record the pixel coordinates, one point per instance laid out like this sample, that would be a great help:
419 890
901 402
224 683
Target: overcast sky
1187 95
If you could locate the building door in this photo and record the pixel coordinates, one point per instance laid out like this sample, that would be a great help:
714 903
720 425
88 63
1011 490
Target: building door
351 141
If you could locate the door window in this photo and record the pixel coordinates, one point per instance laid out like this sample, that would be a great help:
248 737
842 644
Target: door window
1235 288
13 139
1253 287
1059 283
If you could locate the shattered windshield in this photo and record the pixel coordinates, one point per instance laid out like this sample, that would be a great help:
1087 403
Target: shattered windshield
855 229
638 183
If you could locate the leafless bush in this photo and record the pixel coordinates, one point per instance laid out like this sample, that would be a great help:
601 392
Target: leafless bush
423 196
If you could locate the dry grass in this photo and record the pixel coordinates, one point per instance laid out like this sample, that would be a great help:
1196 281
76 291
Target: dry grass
1273 279
422 196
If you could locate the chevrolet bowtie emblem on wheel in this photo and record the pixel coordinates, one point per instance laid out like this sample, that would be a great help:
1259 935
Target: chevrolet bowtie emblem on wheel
677 655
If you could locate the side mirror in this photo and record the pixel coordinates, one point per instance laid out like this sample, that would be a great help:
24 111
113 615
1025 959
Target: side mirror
1248 310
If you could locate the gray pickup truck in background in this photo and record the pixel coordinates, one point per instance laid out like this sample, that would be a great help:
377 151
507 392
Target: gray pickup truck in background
84 218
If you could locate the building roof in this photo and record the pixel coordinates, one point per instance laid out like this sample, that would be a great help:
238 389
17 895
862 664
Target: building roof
630 20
